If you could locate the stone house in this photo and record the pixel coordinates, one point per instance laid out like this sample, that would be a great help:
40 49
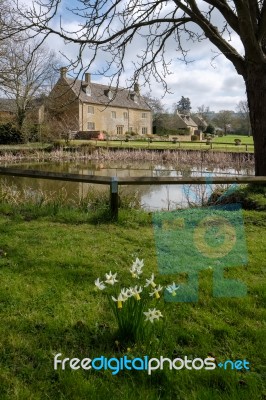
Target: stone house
185 122
86 107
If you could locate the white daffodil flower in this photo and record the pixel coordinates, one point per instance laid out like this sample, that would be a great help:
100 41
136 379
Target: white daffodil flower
156 292
136 268
172 289
99 285
138 263
152 314
126 292
111 278
135 292
150 282
119 300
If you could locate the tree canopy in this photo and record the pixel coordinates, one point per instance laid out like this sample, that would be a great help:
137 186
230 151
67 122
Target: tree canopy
183 105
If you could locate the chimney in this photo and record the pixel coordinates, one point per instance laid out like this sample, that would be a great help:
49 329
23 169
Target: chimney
136 88
63 72
87 77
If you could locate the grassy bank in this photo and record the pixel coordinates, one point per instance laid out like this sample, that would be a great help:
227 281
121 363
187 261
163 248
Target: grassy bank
48 264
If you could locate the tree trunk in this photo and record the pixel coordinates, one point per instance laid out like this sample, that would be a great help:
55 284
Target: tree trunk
255 80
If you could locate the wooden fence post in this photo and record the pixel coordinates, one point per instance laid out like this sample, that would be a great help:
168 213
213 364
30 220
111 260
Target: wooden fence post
114 197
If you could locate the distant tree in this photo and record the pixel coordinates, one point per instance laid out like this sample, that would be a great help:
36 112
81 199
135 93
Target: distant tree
183 105
158 110
154 103
26 72
203 111
224 120
243 110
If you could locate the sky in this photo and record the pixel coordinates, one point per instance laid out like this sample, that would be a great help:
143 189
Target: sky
211 82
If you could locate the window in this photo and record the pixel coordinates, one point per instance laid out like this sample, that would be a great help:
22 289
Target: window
144 115
119 130
113 114
90 110
125 115
130 129
144 130
91 126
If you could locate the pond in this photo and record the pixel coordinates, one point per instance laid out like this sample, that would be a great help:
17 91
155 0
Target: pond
152 197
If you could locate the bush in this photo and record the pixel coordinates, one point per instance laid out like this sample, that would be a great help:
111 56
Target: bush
237 142
9 134
166 132
194 138
132 133
210 129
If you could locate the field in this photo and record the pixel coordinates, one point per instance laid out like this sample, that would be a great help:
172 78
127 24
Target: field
48 264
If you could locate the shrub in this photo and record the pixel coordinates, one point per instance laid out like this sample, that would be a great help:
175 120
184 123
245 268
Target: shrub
9 134
237 142
210 129
194 138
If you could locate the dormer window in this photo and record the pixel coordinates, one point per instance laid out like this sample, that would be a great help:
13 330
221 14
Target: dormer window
134 97
109 94
88 90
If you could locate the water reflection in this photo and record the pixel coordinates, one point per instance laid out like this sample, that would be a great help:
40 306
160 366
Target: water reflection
152 196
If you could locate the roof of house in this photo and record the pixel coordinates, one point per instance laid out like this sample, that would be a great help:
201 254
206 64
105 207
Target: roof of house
99 95
185 121
200 121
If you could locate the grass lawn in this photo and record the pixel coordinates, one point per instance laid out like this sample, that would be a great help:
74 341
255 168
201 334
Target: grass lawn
231 139
217 144
24 146
49 306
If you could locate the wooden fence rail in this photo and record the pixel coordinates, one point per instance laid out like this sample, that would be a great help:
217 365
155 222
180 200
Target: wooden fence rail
114 181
